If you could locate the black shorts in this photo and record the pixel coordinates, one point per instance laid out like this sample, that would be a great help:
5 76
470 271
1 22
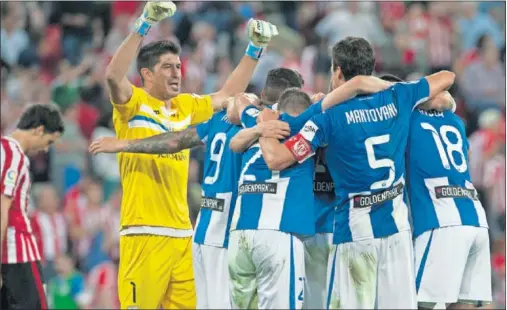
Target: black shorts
23 286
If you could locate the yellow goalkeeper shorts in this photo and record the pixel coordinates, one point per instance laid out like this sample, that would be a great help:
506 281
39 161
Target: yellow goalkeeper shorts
156 271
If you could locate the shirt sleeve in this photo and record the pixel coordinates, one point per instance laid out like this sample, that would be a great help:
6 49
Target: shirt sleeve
129 109
203 130
202 108
249 116
11 163
312 110
314 134
413 93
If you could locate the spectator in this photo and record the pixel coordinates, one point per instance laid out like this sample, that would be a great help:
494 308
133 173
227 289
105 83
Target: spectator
50 228
68 289
76 22
14 39
69 158
483 82
473 24
440 37
106 165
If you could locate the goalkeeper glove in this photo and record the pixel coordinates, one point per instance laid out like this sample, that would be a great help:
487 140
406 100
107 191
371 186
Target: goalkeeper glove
260 33
153 13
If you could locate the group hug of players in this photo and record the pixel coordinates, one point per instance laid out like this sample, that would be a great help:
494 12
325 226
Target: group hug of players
305 200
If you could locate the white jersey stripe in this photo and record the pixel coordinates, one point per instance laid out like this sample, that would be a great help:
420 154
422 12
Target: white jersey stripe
481 213
400 209
272 204
24 246
218 223
11 245
445 208
30 248
359 219
16 158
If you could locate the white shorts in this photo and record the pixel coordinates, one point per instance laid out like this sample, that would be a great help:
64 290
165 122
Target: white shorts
267 270
453 265
211 277
373 274
317 249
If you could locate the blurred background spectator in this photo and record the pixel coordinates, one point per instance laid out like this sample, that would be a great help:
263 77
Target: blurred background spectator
56 52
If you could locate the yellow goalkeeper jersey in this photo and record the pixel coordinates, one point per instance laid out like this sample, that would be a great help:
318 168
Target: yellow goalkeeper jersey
155 186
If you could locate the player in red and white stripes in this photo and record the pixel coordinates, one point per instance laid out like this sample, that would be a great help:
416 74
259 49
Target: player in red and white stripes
22 281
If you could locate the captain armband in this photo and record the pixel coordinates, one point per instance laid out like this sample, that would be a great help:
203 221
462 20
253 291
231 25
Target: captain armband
299 147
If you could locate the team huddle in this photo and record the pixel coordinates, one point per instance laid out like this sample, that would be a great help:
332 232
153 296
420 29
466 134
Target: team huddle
357 199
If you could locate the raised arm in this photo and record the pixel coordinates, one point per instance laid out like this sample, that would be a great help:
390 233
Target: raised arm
120 89
165 143
260 34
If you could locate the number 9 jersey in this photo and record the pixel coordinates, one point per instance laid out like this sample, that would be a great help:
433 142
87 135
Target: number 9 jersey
441 192
222 169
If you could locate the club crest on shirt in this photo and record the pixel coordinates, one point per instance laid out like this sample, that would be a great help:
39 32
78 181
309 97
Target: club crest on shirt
11 177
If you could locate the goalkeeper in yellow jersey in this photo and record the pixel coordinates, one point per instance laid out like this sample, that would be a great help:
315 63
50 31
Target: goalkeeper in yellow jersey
156 235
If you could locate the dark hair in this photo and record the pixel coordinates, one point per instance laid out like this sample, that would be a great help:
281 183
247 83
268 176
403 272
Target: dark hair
278 80
481 42
294 100
42 115
390 78
354 56
149 55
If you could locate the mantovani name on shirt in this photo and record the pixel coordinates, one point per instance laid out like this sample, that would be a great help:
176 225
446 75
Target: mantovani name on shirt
371 115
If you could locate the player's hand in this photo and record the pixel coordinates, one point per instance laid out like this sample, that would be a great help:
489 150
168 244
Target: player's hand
156 11
273 129
261 32
267 115
316 97
153 12
107 145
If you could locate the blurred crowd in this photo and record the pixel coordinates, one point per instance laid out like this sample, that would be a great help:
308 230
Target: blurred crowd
57 52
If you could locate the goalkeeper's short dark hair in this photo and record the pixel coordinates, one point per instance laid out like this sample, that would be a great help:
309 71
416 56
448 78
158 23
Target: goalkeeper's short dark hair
278 81
149 55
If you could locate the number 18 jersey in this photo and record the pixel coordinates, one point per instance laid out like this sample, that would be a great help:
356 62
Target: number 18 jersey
441 192
220 181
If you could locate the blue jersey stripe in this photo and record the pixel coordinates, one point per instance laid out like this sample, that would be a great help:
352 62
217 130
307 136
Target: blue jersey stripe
424 258
382 221
342 232
249 217
467 212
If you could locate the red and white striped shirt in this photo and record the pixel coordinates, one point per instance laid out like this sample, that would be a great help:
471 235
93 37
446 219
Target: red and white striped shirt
102 280
19 244
52 233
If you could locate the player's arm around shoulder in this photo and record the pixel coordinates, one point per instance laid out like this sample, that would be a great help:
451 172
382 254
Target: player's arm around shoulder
441 102
358 85
165 143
